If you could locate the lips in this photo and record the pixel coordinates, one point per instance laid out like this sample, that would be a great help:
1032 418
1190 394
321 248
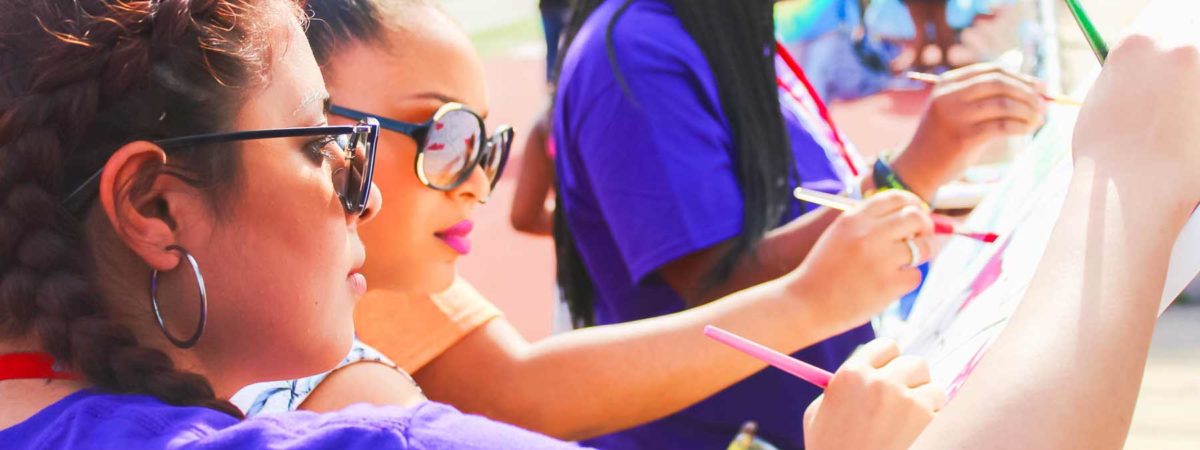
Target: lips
456 238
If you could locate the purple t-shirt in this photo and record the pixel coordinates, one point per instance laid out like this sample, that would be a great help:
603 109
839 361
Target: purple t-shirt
648 177
91 420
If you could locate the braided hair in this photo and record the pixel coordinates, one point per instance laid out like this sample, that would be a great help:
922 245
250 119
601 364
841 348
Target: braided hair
78 79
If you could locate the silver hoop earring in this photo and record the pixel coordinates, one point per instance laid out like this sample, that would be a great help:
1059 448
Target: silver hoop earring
191 341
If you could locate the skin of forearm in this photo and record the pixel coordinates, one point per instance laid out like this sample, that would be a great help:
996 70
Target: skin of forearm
779 252
603 379
530 213
922 177
539 223
1066 371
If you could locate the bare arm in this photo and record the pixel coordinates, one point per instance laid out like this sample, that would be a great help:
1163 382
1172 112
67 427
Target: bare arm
1066 371
1080 336
530 213
970 107
593 381
603 379
780 251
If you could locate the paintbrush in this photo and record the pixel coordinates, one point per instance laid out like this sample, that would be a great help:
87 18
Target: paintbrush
941 224
934 79
1095 40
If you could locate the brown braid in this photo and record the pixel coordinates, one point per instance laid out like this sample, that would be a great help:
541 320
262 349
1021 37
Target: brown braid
79 78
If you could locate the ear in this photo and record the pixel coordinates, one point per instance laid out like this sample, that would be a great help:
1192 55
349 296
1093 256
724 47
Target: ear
144 203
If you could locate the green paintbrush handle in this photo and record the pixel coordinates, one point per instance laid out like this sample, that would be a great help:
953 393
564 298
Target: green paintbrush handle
1089 30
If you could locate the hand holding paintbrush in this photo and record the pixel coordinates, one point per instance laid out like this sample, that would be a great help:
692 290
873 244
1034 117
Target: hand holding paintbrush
1141 121
974 106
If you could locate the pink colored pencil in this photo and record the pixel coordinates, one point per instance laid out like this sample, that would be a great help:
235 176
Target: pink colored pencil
800 369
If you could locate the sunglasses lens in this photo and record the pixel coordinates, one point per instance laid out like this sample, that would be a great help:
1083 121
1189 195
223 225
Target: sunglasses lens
352 178
497 154
451 148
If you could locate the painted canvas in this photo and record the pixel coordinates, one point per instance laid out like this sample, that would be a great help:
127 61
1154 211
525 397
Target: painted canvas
973 288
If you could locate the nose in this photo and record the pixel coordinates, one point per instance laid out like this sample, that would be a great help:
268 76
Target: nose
477 188
374 204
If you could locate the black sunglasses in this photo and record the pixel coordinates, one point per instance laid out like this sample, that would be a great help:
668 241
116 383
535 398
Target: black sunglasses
352 145
449 145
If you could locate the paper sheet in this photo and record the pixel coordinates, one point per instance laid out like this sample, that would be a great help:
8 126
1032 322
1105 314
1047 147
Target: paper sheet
973 288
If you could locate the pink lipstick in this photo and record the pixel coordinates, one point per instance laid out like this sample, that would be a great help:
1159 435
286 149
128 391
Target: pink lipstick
456 236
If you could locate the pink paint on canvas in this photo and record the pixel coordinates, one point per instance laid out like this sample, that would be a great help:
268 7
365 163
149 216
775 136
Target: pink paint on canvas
987 277
966 372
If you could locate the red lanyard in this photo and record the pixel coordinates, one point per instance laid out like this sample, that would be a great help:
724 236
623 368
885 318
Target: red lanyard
25 366
812 93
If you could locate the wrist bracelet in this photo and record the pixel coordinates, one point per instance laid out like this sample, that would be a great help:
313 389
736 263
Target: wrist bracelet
885 178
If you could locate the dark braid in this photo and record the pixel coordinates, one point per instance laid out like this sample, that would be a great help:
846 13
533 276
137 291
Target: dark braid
79 78
738 40
574 283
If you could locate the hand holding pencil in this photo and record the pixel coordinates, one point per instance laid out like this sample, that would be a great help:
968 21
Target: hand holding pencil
878 399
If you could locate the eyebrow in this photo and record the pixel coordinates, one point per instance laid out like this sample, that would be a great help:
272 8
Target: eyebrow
446 99
438 96
314 96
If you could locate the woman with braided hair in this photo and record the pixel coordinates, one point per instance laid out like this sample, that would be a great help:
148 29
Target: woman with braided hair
155 155
176 221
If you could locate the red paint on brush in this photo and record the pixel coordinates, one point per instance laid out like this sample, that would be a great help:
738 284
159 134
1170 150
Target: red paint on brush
943 225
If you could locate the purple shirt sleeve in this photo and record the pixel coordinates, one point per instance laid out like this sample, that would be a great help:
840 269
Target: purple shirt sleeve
658 156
